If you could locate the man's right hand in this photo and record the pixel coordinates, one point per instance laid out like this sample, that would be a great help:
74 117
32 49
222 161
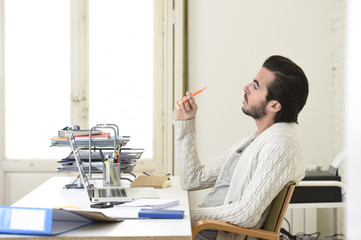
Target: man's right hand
186 110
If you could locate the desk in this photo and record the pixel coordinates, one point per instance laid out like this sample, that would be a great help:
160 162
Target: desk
51 194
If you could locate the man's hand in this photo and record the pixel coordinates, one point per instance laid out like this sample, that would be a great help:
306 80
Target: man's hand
186 110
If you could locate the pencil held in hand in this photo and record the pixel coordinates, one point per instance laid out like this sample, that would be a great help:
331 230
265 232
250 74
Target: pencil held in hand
195 93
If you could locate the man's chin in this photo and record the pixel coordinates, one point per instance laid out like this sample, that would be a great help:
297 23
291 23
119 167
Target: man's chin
244 110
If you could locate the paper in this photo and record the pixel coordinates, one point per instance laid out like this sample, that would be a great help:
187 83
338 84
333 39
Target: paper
115 213
122 213
151 203
130 210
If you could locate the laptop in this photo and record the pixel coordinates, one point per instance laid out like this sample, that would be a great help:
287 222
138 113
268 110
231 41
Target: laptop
108 194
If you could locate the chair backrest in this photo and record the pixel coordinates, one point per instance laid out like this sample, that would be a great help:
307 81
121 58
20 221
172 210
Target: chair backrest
278 209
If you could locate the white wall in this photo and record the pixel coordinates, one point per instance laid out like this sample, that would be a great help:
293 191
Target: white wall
228 42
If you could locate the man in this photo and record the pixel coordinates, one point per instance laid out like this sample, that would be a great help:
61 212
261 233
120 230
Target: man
249 176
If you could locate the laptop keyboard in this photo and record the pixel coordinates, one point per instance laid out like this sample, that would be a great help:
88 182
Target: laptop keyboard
116 192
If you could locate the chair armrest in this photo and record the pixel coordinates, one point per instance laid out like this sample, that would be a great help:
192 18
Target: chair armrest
227 227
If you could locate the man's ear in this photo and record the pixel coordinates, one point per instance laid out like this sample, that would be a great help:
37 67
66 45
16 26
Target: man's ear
274 106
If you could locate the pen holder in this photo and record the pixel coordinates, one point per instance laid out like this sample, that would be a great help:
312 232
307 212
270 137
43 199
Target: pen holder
111 174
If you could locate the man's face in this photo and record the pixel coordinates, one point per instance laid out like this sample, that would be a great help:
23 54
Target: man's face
254 103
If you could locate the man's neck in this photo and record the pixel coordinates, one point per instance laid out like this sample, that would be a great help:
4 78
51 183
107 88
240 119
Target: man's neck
263 124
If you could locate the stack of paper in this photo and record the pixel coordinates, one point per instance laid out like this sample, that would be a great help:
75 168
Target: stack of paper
95 137
151 203
66 133
100 141
132 209
129 157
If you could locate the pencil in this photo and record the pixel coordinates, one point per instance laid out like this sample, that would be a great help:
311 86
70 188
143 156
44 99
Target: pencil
194 94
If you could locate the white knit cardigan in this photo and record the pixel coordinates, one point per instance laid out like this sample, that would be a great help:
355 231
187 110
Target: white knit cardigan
269 162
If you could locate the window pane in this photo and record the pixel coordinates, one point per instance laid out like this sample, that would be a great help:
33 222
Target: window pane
121 68
37 44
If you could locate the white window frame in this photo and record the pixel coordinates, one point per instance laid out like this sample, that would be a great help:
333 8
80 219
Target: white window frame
169 47
2 103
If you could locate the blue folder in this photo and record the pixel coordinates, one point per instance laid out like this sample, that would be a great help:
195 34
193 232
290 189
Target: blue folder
40 221
161 213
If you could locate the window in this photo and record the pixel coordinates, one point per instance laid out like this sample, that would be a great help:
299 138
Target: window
52 68
64 63
37 71
116 78
121 68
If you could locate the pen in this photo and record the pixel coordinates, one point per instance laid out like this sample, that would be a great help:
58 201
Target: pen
117 155
198 92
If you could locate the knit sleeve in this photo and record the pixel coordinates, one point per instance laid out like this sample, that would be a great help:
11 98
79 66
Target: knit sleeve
276 164
194 174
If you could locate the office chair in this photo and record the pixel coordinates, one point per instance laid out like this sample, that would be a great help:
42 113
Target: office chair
271 227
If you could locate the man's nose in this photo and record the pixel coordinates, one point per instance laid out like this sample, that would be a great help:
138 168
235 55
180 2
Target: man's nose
247 88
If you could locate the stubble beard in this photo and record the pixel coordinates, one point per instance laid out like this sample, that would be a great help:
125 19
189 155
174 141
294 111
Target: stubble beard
256 112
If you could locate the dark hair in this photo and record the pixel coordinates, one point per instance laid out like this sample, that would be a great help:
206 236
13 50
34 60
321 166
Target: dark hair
289 87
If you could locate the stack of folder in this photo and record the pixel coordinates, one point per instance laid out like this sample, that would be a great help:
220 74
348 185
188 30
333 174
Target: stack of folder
129 157
96 148
98 140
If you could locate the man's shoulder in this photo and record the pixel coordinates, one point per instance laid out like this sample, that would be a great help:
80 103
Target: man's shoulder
280 134
280 130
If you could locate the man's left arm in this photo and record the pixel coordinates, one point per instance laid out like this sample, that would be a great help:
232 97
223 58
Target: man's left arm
275 170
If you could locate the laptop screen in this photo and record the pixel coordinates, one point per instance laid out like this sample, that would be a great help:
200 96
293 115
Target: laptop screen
78 161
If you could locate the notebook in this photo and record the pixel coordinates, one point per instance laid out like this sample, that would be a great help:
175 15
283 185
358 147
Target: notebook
151 181
108 194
